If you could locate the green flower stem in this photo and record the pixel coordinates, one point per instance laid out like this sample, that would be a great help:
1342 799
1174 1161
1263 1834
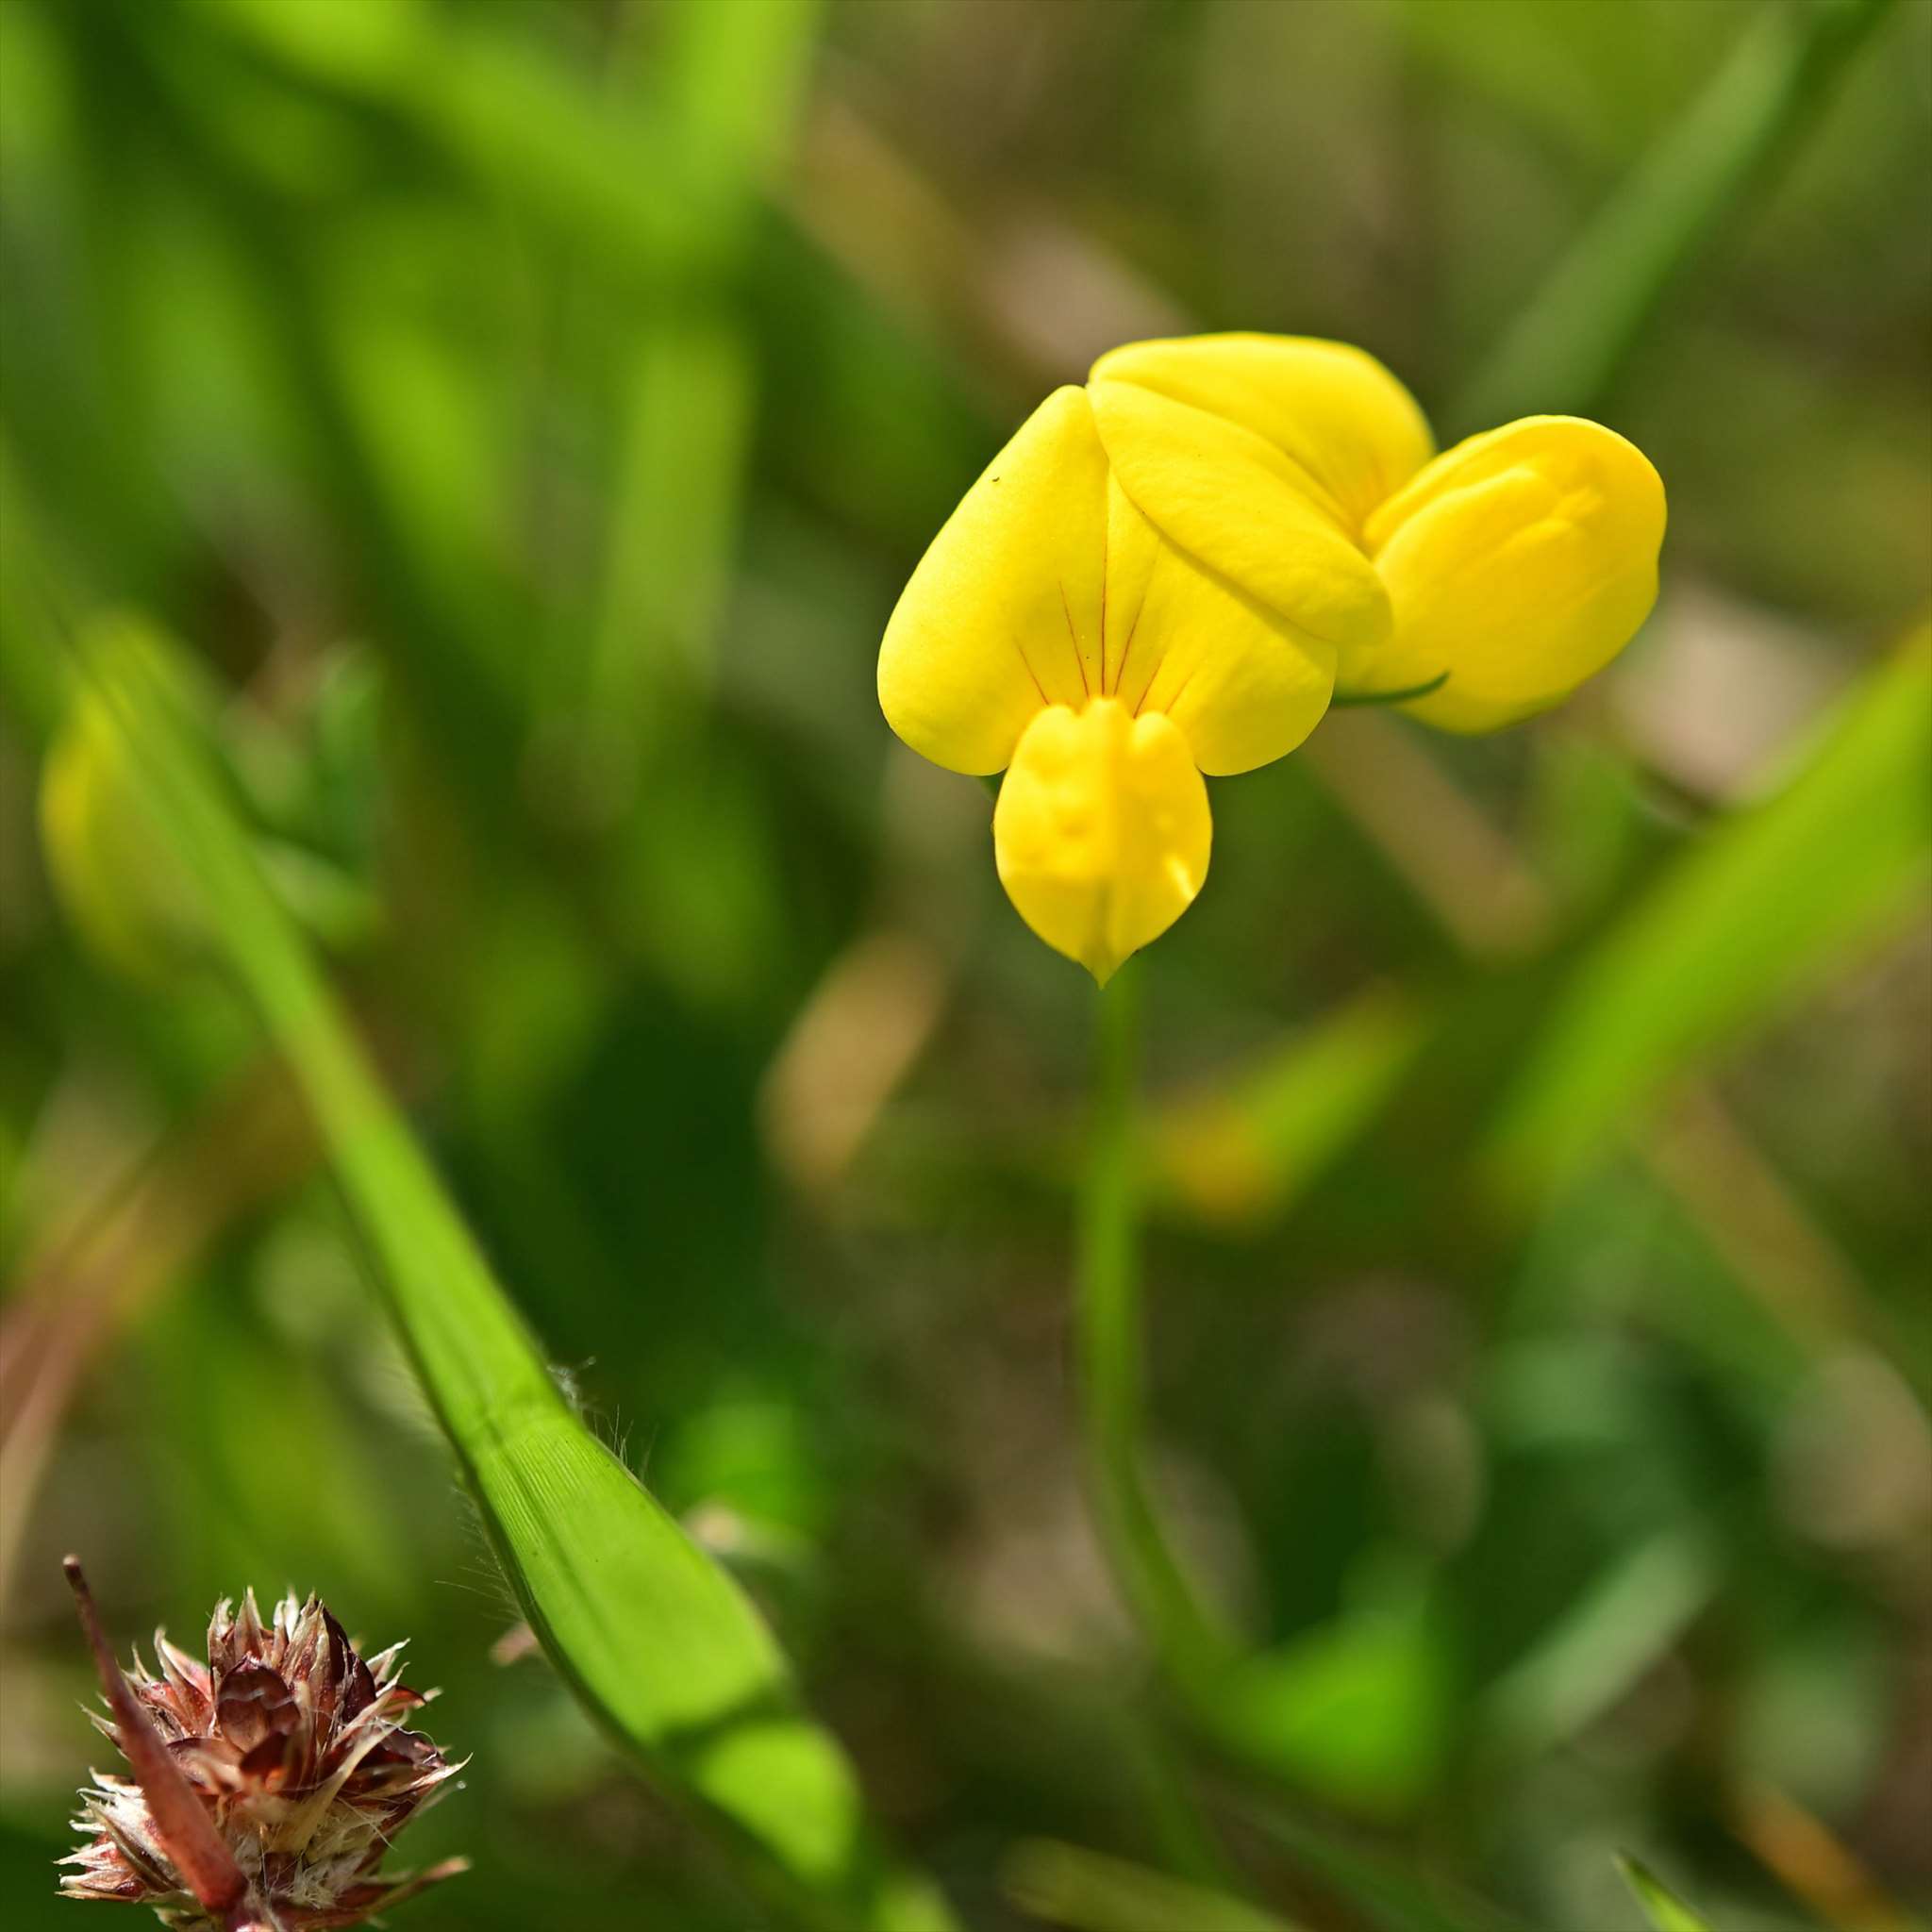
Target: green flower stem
1180 1830
1184 1639
1189 1648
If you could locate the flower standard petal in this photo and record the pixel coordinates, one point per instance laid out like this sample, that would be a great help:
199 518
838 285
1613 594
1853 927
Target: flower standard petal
1241 509
1003 614
1346 423
1520 562
1102 831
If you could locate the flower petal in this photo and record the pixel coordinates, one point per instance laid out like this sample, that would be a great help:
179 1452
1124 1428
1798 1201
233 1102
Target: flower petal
1102 831
1244 686
1002 616
1351 430
1521 562
1243 510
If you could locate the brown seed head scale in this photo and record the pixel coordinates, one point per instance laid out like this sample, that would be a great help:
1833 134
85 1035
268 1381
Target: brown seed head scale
267 1782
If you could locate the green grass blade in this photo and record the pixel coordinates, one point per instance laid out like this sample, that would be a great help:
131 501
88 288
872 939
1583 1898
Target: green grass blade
1768 904
1354 1711
689 389
657 1641
584 166
1620 1626
1661 1907
1567 345
1385 1891
1242 1154
1089 1892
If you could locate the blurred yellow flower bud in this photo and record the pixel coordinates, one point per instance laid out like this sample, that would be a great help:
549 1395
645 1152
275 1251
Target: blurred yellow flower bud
117 877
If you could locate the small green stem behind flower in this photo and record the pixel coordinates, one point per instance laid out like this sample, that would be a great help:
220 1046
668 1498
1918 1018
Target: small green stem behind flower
1344 700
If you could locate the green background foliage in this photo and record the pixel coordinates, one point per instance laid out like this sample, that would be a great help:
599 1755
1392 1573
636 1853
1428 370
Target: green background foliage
473 447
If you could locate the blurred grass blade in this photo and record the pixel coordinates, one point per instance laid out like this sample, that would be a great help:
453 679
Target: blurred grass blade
1665 1910
655 1640
1383 1891
1623 1623
1242 1157
1770 903
1354 1712
729 99
580 164
1089 1892
1567 346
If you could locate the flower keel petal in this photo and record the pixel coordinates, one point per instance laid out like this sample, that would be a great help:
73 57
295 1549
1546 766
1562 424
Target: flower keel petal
1521 562
1102 831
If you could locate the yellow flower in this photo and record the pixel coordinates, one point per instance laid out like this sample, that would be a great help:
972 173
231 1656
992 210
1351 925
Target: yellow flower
1170 572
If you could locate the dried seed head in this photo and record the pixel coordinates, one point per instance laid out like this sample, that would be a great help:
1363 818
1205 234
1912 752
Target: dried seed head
268 1783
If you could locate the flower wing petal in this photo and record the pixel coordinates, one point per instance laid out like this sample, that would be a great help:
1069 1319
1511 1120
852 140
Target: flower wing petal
1339 416
1521 562
1244 686
1240 508
1102 831
1003 614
